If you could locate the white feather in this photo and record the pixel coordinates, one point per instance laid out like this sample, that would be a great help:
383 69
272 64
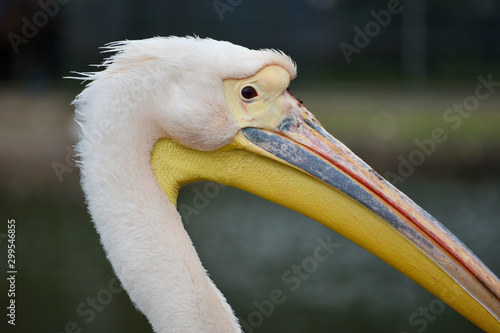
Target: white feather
153 88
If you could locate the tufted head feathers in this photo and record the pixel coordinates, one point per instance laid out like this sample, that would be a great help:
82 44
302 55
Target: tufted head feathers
175 84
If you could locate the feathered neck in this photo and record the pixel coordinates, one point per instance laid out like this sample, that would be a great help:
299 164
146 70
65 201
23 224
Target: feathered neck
140 229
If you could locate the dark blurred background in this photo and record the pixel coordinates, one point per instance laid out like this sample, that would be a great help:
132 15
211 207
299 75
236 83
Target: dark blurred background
379 75
426 40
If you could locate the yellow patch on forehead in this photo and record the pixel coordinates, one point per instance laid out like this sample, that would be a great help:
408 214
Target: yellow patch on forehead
265 110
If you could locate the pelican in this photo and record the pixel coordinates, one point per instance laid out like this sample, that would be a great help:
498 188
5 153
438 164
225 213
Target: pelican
168 111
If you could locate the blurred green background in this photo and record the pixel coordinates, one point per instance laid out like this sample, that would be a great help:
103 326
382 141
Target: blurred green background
380 94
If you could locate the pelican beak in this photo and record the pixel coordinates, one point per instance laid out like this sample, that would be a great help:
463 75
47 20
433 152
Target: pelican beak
301 142
283 154
282 129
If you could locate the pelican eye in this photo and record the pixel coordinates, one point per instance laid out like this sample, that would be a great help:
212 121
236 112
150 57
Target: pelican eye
248 92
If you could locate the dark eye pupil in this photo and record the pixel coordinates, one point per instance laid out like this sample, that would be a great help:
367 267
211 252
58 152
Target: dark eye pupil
248 92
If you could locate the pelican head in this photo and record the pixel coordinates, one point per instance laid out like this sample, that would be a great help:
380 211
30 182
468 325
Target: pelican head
165 112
